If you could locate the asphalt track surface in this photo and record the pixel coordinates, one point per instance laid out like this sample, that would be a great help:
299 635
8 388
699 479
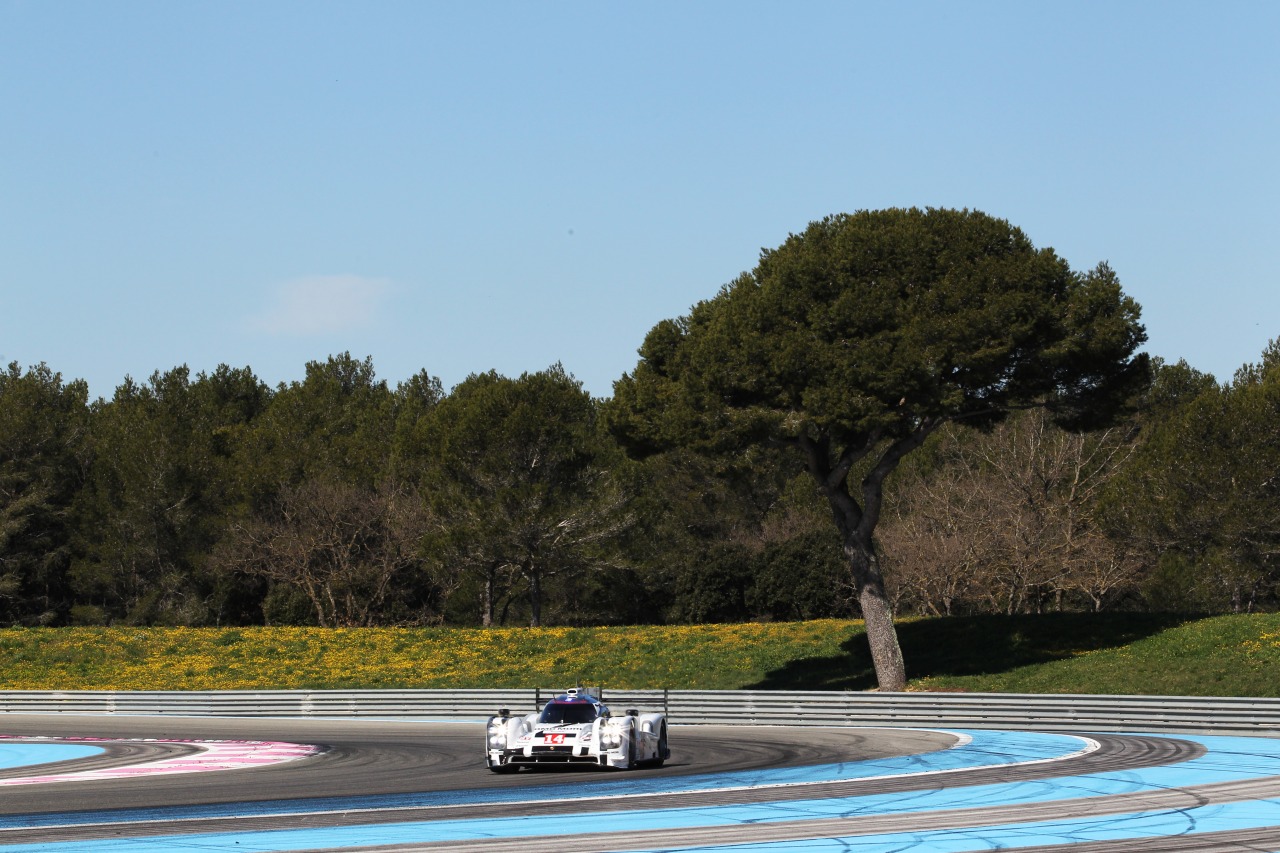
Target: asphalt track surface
406 786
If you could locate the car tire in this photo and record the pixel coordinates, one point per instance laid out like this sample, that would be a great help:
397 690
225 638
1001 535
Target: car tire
631 751
663 752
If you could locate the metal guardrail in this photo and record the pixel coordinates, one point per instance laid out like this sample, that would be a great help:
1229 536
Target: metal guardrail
1056 712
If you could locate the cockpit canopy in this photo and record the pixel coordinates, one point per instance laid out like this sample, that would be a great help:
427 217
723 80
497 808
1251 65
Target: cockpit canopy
567 710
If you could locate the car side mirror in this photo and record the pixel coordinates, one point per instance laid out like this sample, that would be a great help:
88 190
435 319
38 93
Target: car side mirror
632 712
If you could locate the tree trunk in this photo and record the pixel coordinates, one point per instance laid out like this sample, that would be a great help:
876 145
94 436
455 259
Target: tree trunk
856 525
882 636
486 599
535 598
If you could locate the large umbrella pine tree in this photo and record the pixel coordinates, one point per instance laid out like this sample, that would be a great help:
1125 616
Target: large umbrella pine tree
857 338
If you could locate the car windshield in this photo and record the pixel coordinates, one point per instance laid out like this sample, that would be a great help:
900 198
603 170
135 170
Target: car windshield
568 713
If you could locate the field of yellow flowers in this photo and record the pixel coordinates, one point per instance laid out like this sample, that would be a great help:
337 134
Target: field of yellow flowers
692 657
1236 655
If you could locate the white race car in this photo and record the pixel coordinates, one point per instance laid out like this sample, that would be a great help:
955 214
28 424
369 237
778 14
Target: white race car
575 728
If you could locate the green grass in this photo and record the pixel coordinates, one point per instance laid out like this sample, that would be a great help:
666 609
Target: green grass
1058 653
1218 656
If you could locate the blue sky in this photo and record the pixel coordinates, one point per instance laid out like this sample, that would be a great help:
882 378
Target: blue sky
460 187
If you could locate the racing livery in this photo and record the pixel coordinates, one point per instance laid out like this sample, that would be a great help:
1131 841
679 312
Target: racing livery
575 728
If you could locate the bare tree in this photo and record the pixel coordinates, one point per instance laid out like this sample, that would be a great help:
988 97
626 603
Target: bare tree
345 548
937 542
1006 523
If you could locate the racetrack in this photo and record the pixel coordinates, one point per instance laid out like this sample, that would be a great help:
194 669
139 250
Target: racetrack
373 759
422 786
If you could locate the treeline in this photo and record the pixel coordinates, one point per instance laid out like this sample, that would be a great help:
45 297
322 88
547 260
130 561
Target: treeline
339 500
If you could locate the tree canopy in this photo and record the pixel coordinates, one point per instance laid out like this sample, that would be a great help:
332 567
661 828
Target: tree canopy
43 454
857 338
1204 490
518 477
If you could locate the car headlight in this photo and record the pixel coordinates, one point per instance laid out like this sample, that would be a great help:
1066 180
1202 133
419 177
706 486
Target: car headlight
497 736
610 736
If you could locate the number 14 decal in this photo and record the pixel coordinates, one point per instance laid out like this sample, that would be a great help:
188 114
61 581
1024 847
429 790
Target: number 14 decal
553 738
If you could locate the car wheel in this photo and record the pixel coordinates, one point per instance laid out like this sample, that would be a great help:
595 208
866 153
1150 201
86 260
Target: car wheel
663 752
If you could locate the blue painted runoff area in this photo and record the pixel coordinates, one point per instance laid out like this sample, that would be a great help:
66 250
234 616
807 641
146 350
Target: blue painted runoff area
1253 814
30 754
1227 759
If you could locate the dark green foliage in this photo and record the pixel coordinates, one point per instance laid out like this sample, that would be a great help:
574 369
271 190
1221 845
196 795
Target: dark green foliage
162 485
791 579
868 324
802 577
414 400
702 524
284 604
43 455
518 476
1203 494
715 587
339 421
619 596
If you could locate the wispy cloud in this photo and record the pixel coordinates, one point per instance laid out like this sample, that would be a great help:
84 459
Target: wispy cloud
320 305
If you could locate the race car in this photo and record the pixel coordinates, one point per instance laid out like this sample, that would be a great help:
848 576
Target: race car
575 728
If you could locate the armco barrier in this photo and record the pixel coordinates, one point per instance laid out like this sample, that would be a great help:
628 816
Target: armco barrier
922 710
